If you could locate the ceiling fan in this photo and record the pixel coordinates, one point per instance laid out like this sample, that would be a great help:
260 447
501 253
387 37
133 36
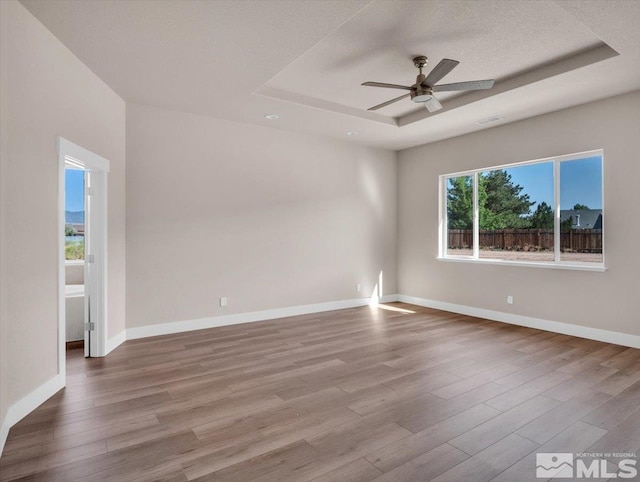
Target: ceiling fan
422 91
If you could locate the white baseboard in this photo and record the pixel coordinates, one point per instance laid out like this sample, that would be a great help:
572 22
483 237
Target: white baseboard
607 336
28 404
597 334
116 341
225 320
4 433
389 298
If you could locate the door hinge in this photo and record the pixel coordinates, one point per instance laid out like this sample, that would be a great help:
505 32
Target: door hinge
91 326
90 258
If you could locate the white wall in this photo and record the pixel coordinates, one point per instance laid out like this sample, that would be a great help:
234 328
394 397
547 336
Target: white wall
47 92
266 217
74 272
606 300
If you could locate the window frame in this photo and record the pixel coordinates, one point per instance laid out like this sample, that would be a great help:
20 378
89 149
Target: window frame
475 258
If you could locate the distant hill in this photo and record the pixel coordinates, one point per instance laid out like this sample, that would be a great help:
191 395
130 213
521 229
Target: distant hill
74 217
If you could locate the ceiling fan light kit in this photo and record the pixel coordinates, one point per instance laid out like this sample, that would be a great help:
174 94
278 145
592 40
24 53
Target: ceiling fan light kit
422 91
421 96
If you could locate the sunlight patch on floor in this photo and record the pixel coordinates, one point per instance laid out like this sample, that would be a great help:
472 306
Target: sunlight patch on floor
393 308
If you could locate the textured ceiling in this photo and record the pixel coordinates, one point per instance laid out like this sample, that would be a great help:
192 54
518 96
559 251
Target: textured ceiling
305 60
379 43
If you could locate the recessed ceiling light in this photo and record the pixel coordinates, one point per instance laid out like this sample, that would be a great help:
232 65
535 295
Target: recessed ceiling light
272 116
352 133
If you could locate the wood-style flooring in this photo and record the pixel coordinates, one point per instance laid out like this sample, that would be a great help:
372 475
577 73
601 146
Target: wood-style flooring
394 393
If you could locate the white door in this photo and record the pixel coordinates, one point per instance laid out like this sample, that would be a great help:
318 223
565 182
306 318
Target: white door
87 265
94 299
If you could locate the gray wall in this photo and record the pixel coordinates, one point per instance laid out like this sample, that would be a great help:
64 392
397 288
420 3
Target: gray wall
266 217
606 300
47 92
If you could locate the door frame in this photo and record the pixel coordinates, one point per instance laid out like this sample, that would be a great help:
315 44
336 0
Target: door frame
68 152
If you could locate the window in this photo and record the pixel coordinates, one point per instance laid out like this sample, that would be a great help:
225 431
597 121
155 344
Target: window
460 215
74 214
547 213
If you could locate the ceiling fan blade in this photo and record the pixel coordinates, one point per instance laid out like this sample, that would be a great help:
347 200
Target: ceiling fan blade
388 86
433 104
384 104
439 71
471 85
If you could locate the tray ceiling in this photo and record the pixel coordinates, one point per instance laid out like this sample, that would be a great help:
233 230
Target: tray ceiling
492 39
305 60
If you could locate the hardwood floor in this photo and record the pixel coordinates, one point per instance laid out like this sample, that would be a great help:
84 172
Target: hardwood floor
392 393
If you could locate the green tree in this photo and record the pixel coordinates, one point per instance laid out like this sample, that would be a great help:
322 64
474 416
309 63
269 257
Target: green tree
542 217
502 206
567 224
580 207
460 203
500 202
68 230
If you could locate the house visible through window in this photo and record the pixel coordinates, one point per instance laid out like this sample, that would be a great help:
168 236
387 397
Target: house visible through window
548 211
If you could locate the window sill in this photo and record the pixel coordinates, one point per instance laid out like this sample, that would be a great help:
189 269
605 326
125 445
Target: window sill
539 264
72 262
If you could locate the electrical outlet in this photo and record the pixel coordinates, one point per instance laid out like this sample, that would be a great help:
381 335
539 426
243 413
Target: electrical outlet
358 287
223 301
510 299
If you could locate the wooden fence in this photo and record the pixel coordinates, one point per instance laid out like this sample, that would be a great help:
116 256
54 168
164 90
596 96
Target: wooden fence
575 240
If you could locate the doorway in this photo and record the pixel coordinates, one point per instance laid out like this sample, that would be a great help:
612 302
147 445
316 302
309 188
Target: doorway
82 214
75 302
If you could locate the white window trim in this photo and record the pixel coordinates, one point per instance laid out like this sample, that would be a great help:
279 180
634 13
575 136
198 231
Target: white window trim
474 174
534 264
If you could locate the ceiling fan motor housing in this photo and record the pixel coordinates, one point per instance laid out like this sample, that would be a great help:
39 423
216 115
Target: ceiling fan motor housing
420 93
